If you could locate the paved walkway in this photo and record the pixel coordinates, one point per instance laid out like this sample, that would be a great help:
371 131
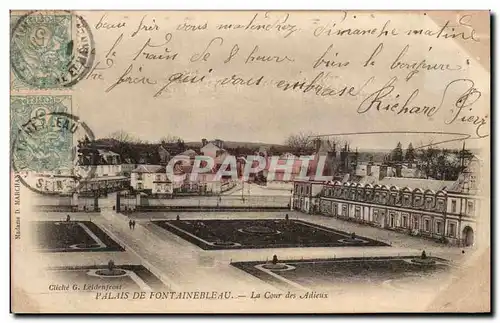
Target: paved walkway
179 263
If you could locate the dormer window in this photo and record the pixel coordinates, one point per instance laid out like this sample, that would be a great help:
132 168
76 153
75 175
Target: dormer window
428 202
440 205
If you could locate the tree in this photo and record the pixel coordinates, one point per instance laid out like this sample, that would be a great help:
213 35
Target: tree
181 144
397 153
300 142
169 139
443 164
410 153
304 142
121 136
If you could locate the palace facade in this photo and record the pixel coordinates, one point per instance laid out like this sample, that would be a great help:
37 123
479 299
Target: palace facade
442 210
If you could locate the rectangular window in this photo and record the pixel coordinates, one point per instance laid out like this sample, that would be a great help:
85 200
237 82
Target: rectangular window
335 209
470 207
415 224
438 227
454 206
358 212
139 186
404 222
158 178
452 227
427 225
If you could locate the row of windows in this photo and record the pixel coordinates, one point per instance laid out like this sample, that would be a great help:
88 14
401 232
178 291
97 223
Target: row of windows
158 177
406 199
468 210
303 190
406 221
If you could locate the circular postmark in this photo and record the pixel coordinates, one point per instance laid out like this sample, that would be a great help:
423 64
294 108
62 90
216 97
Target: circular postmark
52 153
51 49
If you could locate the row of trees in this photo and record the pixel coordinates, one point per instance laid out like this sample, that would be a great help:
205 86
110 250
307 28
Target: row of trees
397 154
303 143
123 136
438 163
134 150
433 162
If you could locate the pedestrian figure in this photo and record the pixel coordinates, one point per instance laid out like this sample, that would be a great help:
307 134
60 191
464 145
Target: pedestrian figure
133 225
68 218
130 224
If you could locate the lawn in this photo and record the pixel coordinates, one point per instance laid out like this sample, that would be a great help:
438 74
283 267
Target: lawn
373 271
73 236
246 234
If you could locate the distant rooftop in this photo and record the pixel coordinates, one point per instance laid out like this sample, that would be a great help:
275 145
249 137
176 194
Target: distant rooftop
149 169
422 183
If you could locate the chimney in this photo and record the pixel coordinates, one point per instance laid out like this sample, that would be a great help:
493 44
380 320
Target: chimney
399 170
383 172
317 143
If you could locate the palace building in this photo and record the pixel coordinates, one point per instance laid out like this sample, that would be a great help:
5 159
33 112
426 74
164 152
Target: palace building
442 210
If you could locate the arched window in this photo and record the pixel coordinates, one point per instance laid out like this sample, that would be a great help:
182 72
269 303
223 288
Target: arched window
429 198
369 192
441 201
361 193
418 200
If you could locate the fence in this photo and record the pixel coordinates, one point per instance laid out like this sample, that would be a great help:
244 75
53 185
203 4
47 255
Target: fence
222 201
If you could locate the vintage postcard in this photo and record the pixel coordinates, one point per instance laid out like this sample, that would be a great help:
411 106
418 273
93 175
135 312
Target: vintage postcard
250 162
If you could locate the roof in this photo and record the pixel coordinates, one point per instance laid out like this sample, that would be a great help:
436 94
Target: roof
172 148
106 178
190 153
210 145
149 169
422 183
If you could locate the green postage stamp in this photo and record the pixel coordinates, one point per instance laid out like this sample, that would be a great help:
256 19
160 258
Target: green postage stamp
41 134
49 50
